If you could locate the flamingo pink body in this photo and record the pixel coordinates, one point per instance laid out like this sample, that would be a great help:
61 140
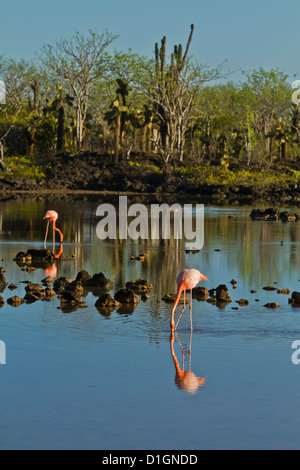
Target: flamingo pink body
186 280
52 216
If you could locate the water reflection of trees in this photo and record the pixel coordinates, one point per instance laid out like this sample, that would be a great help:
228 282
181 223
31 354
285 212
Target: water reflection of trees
252 248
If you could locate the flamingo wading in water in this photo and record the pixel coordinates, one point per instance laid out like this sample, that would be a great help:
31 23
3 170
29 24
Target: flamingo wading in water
186 280
52 216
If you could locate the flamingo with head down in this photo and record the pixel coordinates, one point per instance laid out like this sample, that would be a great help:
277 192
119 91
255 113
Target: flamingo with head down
186 280
52 216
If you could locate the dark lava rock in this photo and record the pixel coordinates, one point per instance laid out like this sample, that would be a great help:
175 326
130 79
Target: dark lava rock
61 284
200 293
242 302
100 281
288 217
171 298
222 294
69 298
12 287
2 301
283 291
49 294
42 255
145 297
83 277
273 214
76 287
21 256
3 280
16 301
126 296
34 296
29 269
268 214
269 288
271 305
33 288
139 286
295 299
106 301
48 281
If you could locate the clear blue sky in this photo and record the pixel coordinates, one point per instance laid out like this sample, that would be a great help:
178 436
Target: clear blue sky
248 34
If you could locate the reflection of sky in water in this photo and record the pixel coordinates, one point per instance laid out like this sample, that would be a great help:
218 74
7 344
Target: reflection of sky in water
74 379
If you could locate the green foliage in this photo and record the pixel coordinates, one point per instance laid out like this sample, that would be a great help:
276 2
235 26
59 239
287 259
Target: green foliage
81 97
26 167
285 178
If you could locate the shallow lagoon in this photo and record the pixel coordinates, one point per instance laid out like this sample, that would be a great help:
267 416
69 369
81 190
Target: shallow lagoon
84 380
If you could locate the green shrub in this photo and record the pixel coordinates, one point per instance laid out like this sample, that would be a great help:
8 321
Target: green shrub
26 167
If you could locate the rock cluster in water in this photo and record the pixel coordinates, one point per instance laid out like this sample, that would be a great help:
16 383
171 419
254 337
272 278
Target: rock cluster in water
272 214
71 293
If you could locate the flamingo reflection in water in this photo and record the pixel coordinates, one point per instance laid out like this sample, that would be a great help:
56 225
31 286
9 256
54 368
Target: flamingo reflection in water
52 270
185 380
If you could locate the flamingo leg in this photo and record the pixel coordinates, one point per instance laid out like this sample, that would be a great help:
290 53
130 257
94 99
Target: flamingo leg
53 238
190 350
191 306
45 242
183 309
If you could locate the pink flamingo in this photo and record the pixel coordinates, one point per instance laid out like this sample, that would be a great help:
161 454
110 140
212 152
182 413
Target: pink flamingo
186 280
52 216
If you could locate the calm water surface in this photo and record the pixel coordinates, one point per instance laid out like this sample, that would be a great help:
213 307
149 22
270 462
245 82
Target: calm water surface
86 380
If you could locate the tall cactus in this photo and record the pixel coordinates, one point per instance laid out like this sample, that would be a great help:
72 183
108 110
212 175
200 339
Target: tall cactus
167 91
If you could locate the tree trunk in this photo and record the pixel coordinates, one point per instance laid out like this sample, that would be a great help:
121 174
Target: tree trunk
60 127
117 138
249 146
79 128
283 150
180 142
2 156
143 138
149 137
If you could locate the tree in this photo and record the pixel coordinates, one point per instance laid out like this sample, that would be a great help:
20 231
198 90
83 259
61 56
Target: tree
18 78
78 62
268 97
173 92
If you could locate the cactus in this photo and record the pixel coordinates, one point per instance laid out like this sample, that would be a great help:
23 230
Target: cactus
167 88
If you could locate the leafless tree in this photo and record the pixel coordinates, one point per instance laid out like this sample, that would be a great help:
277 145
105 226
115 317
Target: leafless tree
78 62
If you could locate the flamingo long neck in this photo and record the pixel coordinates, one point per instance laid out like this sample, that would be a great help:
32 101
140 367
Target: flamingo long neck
179 292
57 230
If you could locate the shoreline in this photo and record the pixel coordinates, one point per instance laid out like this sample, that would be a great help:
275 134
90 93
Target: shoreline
163 197
96 176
